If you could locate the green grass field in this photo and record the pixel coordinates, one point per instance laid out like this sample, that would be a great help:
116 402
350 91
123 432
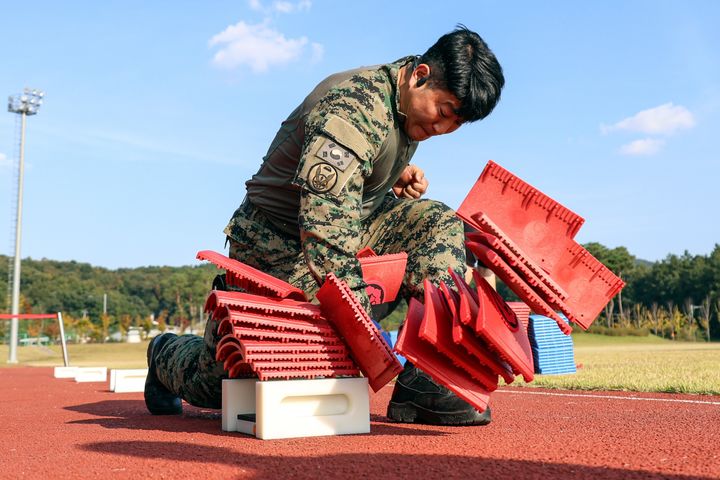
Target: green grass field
644 364
112 355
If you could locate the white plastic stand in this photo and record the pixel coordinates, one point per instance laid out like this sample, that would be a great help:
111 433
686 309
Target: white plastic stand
91 374
296 408
128 380
65 372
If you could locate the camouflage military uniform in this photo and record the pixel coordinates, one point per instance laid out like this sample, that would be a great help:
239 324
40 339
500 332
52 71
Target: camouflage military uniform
320 196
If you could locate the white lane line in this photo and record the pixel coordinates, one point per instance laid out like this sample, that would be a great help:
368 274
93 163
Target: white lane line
612 397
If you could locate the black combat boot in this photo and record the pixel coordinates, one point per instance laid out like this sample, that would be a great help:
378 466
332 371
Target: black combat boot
418 399
158 399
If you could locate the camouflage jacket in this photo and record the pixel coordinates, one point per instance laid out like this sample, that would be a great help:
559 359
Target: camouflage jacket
331 164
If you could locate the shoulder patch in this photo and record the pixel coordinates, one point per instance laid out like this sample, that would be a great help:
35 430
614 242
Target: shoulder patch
341 130
322 177
326 174
335 154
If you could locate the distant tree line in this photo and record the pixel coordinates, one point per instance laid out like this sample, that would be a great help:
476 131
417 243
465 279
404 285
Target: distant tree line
135 296
677 297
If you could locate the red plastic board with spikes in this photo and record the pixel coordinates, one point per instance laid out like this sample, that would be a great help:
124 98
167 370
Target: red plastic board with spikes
491 310
533 220
303 325
587 283
505 246
590 285
501 330
264 375
367 347
251 279
439 367
466 338
383 274
256 357
467 307
279 350
271 306
522 312
226 346
436 329
526 293
524 275
299 366
273 336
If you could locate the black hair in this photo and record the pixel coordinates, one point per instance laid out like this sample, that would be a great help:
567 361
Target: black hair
461 62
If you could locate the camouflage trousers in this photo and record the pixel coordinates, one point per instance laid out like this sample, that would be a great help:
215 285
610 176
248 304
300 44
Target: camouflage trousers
429 231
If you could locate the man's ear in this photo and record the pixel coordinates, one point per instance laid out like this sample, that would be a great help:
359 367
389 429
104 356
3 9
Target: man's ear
421 74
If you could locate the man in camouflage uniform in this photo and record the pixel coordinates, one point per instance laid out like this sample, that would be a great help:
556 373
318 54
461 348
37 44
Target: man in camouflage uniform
336 179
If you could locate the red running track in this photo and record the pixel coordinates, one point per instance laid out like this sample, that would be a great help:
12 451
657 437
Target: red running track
52 428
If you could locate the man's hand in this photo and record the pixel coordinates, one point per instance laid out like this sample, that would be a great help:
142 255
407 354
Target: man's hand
411 184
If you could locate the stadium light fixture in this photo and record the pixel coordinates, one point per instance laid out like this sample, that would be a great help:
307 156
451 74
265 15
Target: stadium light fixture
24 104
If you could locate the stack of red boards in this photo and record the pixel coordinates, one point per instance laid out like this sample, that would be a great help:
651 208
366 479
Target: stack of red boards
466 339
527 239
270 331
276 338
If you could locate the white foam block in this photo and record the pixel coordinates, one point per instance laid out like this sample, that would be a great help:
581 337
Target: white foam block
65 372
91 374
309 408
128 380
238 396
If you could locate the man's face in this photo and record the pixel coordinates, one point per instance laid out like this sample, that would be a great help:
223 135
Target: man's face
430 111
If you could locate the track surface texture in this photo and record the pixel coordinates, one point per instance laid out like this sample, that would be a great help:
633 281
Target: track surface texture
54 428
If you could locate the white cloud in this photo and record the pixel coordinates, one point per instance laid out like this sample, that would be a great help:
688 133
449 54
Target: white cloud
280 6
283 7
665 119
259 47
644 146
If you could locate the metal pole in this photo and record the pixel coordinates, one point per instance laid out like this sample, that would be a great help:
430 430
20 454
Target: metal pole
62 340
18 237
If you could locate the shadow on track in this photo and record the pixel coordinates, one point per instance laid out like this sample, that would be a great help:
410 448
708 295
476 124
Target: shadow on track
132 414
363 465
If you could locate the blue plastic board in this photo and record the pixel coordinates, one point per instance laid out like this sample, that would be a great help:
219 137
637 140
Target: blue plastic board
553 355
550 348
546 365
562 371
555 361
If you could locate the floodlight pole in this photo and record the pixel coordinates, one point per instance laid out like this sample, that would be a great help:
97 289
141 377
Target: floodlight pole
25 104
18 238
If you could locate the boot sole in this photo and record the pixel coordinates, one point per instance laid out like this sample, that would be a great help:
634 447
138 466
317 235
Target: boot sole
409 412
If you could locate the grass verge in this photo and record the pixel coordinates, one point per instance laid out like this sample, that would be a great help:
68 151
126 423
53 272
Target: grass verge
112 355
643 364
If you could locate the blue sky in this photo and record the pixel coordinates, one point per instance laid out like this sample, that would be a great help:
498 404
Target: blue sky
156 113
